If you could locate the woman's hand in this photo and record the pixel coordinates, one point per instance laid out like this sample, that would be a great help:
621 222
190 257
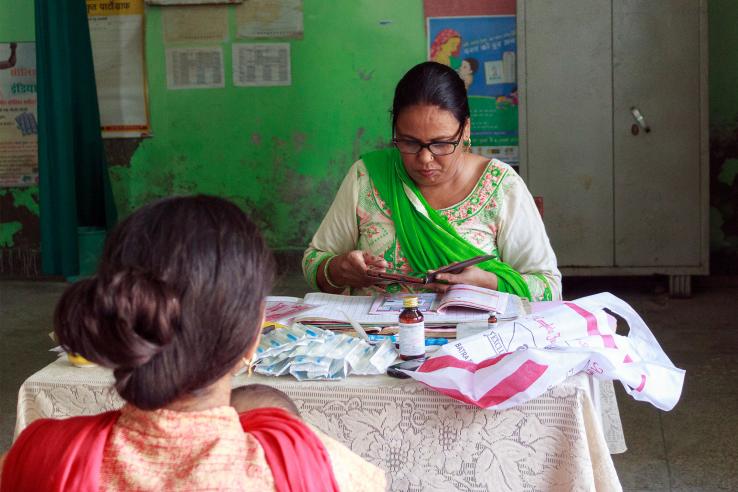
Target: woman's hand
349 269
471 276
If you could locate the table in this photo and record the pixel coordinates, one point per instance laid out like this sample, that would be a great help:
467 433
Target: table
423 440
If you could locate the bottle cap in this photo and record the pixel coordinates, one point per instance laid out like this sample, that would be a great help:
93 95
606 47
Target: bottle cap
492 318
410 302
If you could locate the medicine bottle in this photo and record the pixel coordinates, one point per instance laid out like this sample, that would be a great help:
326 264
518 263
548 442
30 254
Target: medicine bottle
412 330
492 321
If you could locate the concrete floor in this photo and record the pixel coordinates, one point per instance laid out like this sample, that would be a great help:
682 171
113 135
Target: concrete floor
693 447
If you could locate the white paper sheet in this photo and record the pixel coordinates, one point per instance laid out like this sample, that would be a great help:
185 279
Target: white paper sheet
195 68
261 64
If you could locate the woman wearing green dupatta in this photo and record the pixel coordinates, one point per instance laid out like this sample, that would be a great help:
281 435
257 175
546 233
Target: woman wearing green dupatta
427 202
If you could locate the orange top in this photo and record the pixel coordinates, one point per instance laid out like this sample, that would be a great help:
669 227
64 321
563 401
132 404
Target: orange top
206 450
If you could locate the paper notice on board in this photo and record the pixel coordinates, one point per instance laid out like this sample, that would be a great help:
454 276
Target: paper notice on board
270 19
195 68
117 35
261 64
195 23
18 125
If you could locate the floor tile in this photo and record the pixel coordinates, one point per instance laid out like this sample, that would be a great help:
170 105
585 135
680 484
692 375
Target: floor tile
700 436
643 466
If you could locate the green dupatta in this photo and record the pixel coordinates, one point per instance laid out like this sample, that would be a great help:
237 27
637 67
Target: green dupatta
426 238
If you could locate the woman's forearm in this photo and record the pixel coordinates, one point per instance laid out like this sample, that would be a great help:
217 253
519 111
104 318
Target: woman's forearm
328 278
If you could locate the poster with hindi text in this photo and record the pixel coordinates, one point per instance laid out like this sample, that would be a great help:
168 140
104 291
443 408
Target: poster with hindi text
195 24
18 116
270 19
117 35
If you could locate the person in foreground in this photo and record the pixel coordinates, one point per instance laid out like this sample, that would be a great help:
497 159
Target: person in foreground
427 202
175 309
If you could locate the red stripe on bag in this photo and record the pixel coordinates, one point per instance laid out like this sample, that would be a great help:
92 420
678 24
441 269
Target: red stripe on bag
643 383
522 379
609 341
527 374
592 330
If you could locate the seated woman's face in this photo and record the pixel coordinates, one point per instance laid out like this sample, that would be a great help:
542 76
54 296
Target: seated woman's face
427 124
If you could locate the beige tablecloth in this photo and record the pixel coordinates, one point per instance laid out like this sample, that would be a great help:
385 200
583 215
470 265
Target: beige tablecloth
424 440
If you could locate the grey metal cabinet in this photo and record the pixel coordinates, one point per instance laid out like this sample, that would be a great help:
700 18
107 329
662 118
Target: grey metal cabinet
613 127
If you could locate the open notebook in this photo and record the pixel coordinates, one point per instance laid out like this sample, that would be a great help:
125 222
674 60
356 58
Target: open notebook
332 309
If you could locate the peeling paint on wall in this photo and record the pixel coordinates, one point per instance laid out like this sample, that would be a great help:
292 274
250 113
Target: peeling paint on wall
25 197
7 231
21 205
279 152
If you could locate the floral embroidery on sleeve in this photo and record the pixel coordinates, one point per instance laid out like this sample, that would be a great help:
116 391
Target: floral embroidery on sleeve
310 263
540 290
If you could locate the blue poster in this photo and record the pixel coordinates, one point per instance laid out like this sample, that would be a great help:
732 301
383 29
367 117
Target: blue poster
483 52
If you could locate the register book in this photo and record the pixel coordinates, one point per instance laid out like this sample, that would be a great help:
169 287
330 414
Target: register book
461 303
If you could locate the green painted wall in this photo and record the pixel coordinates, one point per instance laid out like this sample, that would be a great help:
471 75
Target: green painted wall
16 20
280 152
723 19
19 210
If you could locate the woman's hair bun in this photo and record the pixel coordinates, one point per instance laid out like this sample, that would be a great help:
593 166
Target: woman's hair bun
176 302
120 322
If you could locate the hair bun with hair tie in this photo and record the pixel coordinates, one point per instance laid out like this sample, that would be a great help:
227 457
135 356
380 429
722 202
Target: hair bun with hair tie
118 322
144 313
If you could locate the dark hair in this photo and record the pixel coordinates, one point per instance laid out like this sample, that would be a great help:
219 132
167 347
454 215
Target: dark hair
473 64
433 84
176 299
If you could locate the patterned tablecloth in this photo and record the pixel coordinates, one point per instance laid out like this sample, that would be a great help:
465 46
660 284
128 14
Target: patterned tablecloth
424 440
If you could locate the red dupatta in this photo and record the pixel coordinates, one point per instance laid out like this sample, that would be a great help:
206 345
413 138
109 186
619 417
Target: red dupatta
297 457
63 455
58 455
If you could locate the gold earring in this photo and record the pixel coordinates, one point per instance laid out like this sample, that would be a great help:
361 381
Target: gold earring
248 366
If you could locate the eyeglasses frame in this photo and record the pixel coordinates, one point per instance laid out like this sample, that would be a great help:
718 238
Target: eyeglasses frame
455 143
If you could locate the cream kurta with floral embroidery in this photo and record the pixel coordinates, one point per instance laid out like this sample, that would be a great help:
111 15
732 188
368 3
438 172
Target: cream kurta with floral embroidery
499 217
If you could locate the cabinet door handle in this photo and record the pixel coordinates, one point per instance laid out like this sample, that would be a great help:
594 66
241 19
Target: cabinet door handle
640 119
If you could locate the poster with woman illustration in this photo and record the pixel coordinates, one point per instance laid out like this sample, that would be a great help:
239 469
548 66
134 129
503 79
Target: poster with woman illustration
482 49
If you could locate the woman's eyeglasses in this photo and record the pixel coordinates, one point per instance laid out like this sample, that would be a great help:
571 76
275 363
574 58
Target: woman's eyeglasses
408 146
435 148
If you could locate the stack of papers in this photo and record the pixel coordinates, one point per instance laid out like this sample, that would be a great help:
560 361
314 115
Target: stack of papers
459 304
